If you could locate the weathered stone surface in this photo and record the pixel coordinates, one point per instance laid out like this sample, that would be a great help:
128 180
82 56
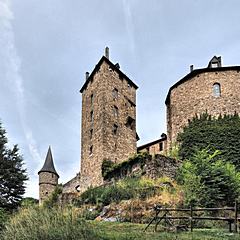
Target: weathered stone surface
72 185
47 183
195 96
108 123
150 166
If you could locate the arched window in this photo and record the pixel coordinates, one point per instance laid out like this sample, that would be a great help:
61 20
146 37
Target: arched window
216 90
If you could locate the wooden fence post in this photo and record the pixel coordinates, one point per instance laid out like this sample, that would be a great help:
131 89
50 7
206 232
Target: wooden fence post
236 217
191 218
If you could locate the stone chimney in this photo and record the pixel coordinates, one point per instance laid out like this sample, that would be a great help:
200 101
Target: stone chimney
191 68
107 52
87 75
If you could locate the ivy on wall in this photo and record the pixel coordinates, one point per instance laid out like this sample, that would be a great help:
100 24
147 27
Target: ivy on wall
222 133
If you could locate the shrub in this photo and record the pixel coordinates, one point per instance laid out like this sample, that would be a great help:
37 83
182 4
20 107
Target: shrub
209 181
46 224
220 133
53 198
125 189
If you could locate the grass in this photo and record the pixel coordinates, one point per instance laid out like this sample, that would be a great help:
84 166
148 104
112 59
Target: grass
61 224
129 231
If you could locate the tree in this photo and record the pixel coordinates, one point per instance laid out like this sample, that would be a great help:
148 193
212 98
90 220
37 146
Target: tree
12 174
208 180
220 133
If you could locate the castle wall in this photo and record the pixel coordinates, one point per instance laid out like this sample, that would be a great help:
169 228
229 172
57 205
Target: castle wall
195 96
149 166
72 186
105 113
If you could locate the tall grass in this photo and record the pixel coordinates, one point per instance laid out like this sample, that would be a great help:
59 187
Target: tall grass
47 224
128 188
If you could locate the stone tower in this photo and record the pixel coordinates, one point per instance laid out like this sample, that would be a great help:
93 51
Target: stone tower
108 120
214 89
48 178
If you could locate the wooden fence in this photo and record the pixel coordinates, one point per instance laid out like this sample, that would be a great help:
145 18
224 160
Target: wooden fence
167 217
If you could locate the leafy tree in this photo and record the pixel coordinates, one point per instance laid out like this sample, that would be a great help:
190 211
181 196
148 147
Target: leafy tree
220 133
12 174
209 181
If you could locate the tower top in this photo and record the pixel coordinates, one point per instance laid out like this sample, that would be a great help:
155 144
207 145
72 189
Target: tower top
48 165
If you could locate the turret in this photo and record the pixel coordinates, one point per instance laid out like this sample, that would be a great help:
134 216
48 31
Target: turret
48 178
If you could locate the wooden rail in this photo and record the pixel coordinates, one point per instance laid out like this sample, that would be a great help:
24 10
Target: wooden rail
168 217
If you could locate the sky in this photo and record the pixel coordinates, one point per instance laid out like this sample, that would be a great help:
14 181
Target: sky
47 46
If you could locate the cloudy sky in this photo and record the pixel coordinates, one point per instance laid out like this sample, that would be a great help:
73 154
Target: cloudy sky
46 46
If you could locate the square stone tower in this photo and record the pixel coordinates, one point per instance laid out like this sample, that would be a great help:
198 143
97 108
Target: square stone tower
108 120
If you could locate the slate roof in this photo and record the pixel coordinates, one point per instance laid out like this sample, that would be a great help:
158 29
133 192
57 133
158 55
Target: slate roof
163 138
48 165
196 72
114 67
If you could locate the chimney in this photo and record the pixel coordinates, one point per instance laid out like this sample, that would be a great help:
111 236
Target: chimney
87 75
107 52
219 61
191 68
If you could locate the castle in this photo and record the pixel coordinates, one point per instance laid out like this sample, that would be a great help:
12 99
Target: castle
109 117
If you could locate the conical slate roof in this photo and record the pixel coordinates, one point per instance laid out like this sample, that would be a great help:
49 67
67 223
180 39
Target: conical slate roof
48 165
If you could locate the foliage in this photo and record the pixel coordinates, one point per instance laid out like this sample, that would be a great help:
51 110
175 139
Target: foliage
52 200
28 202
220 133
44 224
208 181
12 174
173 152
3 218
128 188
125 165
107 166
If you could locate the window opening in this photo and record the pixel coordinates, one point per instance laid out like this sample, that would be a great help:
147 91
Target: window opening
216 90
115 129
115 93
91 150
91 133
130 123
160 146
115 111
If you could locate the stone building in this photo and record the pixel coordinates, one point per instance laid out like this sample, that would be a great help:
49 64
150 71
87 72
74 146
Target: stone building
214 89
108 120
48 178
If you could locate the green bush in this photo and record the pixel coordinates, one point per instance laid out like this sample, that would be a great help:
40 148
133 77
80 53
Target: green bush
128 188
53 198
46 224
220 133
208 181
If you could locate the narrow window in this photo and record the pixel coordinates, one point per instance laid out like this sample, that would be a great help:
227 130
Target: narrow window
92 97
115 93
216 90
130 123
91 150
115 129
160 146
115 111
91 116
91 133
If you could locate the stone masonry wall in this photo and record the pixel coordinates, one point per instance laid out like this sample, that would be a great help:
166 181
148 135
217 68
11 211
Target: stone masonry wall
47 183
101 110
195 96
72 186
150 166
